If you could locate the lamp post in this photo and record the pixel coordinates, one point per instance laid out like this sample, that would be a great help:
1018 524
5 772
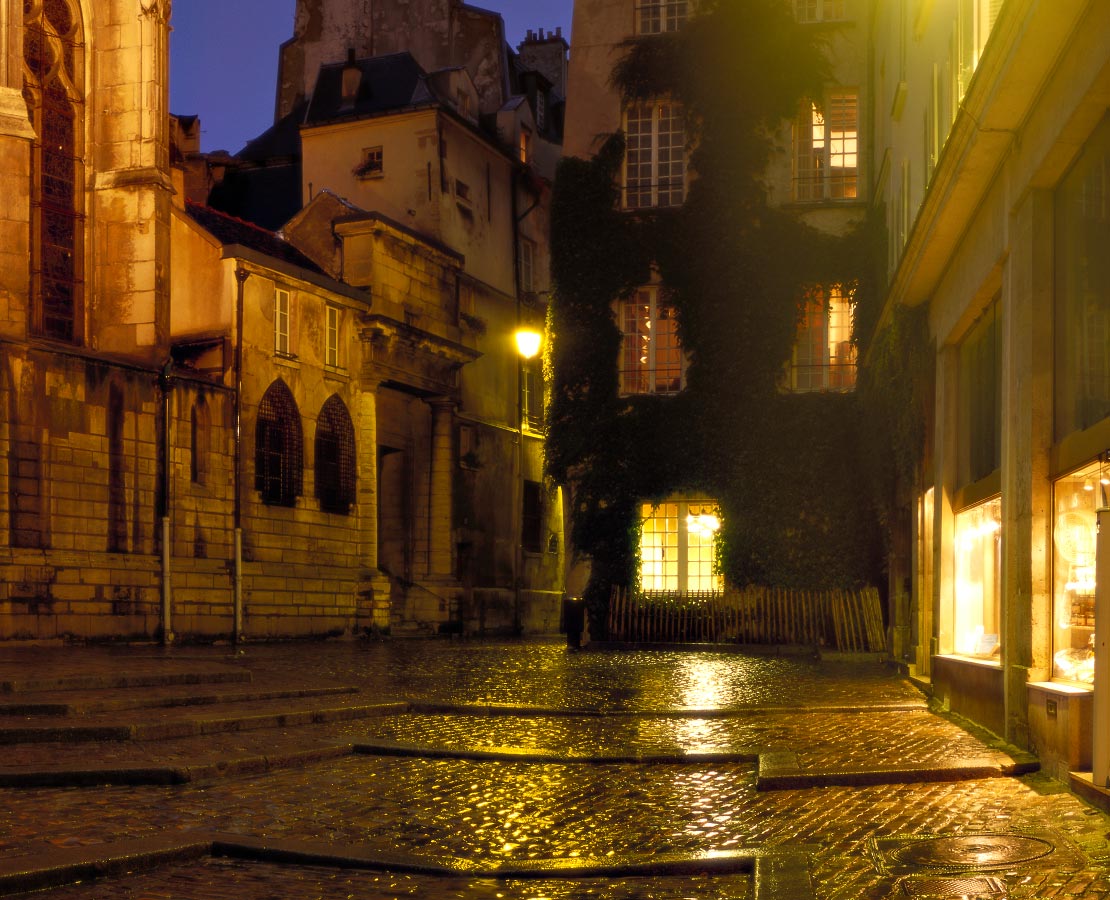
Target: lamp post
527 345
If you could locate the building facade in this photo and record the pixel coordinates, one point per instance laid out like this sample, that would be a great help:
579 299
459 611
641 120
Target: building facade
991 121
211 430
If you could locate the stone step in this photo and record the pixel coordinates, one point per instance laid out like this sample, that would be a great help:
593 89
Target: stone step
72 704
118 680
176 722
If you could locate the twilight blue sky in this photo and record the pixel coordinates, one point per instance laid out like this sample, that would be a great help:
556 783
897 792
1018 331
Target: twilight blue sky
223 58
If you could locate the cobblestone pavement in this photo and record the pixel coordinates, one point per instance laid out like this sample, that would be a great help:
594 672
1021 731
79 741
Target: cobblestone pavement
496 811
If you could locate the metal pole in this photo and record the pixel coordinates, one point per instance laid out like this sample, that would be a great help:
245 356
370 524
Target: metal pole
518 566
1100 751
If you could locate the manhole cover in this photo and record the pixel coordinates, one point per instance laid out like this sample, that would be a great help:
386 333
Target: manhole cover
975 851
952 887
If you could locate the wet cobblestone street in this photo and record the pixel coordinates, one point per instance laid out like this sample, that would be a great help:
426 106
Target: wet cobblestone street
490 812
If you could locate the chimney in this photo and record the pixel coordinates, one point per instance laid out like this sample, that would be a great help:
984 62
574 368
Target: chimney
352 79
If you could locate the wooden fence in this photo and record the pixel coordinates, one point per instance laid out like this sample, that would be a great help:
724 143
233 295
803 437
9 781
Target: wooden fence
840 620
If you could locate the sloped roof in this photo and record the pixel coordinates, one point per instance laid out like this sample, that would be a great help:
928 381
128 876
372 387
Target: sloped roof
230 230
280 140
388 83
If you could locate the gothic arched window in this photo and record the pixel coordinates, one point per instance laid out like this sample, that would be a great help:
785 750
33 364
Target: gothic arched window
335 458
278 447
53 86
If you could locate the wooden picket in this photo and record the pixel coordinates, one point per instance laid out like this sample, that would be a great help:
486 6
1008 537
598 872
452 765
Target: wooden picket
851 621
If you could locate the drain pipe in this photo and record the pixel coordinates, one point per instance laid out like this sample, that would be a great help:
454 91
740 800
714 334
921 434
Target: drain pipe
241 276
166 383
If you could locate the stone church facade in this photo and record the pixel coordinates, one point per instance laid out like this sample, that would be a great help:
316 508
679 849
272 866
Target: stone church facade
209 430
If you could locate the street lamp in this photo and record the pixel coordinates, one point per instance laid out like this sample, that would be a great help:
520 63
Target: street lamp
527 345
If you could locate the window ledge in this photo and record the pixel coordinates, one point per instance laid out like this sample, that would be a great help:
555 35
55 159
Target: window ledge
971 660
287 360
336 374
1062 687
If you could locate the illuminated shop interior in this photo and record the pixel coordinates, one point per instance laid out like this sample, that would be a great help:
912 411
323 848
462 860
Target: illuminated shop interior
977 614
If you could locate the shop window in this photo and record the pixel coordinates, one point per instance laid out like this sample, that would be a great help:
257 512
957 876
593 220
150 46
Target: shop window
980 398
335 458
678 542
824 357
1076 497
53 88
1083 289
651 360
278 448
976 624
655 156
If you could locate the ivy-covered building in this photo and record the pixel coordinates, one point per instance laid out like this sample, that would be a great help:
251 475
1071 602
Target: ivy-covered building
706 242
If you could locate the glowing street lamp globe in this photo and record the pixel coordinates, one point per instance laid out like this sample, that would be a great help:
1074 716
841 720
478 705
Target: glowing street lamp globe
527 342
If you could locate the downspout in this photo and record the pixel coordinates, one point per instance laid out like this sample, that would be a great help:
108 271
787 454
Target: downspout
241 276
166 384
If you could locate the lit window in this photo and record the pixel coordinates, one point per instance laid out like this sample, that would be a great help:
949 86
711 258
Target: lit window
651 360
331 348
655 157
678 546
818 10
53 88
1076 498
335 458
527 266
281 322
824 357
660 16
372 165
826 150
978 597
525 145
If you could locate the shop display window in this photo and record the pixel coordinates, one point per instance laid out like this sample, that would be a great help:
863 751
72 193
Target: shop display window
1074 528
978 601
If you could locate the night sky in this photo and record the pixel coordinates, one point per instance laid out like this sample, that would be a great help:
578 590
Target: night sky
223 62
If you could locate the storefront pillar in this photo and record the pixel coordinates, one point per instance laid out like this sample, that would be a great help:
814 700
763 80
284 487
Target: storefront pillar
1100 752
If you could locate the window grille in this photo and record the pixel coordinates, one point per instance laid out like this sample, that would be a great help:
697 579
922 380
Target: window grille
655 157
279 449
335 458
53 88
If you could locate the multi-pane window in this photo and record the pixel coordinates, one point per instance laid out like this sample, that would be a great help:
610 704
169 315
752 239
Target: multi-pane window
826 149
819 10
278 447
527 265
331 338
651 360
281 322
372 165
660 16
678 546
980 398
53 89
335 458
531 394
824 357
655 156
1082 222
